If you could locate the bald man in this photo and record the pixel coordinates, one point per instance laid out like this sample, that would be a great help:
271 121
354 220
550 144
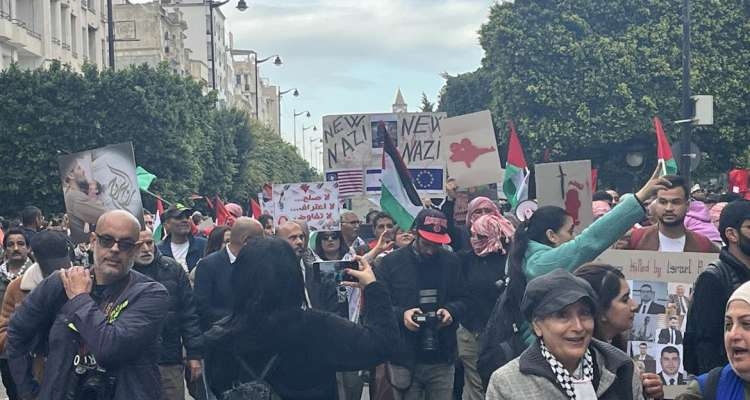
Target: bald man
102 323
213 276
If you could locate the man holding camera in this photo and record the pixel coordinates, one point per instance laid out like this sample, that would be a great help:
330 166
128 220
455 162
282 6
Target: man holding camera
101 326
425 285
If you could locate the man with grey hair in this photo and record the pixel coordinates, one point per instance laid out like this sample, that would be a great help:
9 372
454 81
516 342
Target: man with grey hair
102 325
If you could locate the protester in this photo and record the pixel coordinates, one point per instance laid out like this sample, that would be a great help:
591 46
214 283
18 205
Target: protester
350 230
481 268
424 281
477 207
319 295
16 256
599 208
304 348
52 253
329 246
615 196
111 321
180 243
267 222
565 361
148 220
703 334
729 381
32 221
603 195
669 233
382 222
698 220
180 323
218 239
213 274
614 319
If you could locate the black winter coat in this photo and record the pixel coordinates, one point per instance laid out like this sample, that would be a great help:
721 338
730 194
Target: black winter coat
125 343
403 274
311 346
480 276
181 323
213 288
195 250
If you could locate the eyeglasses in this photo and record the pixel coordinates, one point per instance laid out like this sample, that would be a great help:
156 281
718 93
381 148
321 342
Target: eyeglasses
329 237
107 242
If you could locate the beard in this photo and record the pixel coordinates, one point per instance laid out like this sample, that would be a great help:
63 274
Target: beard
671 224
744 244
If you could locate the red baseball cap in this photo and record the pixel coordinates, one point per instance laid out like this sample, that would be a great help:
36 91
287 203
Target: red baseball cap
432 225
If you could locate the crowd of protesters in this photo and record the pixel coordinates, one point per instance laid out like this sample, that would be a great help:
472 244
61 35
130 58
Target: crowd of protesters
474 307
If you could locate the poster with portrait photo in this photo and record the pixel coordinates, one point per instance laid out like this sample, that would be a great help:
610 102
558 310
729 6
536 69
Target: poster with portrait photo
96 181
669 365
391 125
644 356
669 329
651 296
644 328
680 296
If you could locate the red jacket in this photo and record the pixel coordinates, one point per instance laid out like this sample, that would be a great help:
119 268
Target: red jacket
648 239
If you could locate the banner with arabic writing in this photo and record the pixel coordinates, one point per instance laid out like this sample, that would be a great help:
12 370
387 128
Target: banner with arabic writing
96 181
316 203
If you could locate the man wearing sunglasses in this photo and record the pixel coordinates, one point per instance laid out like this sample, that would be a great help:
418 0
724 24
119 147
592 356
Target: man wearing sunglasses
102 325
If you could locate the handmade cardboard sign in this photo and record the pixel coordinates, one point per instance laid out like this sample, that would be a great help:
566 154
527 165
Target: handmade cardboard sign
471 150
567 185
316 203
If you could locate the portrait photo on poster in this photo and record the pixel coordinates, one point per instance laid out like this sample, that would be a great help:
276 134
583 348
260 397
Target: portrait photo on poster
669 366
644 328
643 355
680 297
651 296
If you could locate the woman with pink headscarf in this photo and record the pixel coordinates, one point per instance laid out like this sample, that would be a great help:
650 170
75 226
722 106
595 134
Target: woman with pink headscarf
477 207
482 265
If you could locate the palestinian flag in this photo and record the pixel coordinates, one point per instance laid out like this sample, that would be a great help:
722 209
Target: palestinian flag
663 150
516 179
158 229
398 196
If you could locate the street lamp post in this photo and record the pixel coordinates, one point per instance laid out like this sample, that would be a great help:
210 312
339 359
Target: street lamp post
313 140
242 6
304 128
277 62
294 123
295 93
687 111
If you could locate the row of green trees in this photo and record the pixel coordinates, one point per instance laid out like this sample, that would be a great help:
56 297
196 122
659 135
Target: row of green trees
581 78
177 132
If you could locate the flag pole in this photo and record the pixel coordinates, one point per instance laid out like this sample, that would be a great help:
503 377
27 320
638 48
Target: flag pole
169 204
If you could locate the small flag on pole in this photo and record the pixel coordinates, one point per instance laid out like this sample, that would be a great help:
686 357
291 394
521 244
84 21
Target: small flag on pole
516 179
144 178
158 232
663 151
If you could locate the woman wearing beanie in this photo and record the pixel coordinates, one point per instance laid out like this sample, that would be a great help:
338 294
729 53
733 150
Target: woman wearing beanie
564 362
731 382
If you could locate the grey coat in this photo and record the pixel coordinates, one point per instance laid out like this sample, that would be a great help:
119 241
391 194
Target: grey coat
530 377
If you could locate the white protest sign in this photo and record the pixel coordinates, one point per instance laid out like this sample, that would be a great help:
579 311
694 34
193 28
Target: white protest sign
316 203
471 150
658 266
346 141
567 185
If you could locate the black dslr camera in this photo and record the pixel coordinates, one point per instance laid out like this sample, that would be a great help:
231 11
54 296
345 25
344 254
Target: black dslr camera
91 382
429 321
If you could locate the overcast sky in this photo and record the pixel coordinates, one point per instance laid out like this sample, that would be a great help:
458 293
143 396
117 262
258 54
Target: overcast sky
350 56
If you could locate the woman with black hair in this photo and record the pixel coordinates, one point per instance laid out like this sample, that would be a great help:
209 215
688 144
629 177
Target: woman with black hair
217 239
308 346
616 310
329 246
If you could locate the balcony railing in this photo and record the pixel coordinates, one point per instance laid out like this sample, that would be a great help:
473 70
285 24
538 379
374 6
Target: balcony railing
55 40
65 46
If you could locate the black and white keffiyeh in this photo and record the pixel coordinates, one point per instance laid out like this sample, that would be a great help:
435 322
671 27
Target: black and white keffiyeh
562 375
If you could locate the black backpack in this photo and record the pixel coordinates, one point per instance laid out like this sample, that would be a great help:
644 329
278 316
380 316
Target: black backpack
501 340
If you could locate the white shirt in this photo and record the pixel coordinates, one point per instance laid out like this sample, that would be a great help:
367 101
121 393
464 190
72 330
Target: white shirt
232 257
671 245
179 252
674 378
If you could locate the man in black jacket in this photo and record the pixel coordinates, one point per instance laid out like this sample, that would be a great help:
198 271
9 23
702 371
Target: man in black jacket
704 333
180 244
102 325
425 285
213 274
181 322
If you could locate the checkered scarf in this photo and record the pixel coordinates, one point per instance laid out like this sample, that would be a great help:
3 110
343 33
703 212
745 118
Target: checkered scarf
562 375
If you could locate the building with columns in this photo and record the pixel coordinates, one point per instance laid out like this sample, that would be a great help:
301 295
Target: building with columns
34 32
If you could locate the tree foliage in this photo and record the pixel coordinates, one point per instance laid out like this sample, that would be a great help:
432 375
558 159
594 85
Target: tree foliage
427 105
176 131
583 78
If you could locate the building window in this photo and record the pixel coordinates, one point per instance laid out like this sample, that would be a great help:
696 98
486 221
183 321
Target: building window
238 79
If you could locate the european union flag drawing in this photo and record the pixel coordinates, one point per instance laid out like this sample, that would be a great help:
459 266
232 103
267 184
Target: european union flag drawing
427 178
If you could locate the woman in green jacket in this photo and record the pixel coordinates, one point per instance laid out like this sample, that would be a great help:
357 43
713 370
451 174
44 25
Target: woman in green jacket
546 241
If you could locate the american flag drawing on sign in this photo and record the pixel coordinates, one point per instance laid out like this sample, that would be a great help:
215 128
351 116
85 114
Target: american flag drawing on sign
351 181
